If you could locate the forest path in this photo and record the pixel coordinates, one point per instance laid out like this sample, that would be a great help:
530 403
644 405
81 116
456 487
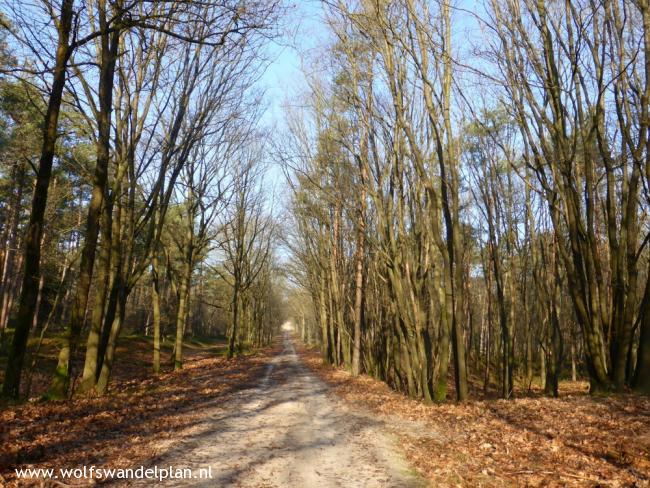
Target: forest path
287 432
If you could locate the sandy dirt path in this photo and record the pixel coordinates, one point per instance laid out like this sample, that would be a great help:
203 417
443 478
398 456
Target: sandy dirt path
287 432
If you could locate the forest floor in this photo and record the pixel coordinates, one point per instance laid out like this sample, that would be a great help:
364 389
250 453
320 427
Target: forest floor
126 373
122 429
574 440
278 417
262 420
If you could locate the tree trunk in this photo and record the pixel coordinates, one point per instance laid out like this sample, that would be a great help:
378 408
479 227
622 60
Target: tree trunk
90 373
109 50
109 355
641 383
181 316
155 299
34 233
235 320
358 296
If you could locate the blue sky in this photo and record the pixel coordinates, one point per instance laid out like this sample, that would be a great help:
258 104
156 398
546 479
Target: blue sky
303 30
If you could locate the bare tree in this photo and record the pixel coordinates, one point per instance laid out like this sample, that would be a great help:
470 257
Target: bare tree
246 237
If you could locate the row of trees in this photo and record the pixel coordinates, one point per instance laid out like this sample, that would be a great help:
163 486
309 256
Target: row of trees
477 204
145 182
